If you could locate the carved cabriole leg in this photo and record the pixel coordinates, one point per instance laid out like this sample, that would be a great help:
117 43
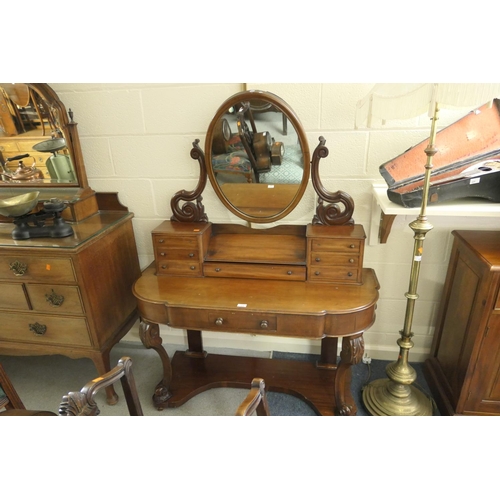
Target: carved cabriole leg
102 363
351 354
150 337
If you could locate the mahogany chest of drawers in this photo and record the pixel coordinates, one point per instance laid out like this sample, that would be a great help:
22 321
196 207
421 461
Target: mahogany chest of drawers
70 296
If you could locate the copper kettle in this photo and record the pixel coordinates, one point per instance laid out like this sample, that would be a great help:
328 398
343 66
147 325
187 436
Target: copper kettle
22 173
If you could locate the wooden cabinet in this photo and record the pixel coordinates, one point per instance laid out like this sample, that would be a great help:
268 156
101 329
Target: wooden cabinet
70 296
463 371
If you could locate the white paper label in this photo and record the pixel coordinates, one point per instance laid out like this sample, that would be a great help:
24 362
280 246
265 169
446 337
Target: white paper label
241 305
476 180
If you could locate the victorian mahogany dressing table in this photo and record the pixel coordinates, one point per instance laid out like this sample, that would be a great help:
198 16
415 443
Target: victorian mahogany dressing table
287 280
67 295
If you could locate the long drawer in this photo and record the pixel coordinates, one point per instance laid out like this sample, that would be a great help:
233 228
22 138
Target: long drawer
44 329
255 271
47 269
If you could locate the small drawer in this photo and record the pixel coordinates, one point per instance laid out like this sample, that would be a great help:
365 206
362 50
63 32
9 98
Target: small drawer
44 329
242 321
177 254
339 274
36 269
254 271
334 259
167 241
13 296
57 299
335 245
178 267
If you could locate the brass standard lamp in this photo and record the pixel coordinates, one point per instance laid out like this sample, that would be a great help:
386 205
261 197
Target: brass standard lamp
396 396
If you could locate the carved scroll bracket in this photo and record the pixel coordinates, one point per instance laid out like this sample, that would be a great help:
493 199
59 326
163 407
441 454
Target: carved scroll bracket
192 210
332 209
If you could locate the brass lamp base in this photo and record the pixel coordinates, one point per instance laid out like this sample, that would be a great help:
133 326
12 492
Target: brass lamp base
385 397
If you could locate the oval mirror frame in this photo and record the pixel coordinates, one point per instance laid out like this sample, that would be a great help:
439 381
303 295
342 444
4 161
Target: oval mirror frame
68 129
280 105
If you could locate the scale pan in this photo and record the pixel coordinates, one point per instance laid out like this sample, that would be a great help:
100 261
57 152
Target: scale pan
50 146
19 205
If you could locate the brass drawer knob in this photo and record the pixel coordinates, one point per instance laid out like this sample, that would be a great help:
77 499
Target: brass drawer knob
351 261
317 273
38 329
53 299
218 269
289 273
163 254
192 268
18 268
191 255
352 246
349 274
318 259
264 324
219 321
161 241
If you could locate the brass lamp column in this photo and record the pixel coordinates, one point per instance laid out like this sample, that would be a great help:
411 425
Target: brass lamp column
396 396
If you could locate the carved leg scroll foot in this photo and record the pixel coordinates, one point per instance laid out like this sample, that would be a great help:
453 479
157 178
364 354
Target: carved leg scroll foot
150 337
351 354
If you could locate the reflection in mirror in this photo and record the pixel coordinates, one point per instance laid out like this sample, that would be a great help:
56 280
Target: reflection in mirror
257 155
33 149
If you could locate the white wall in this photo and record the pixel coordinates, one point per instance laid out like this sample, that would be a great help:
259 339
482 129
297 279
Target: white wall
136 140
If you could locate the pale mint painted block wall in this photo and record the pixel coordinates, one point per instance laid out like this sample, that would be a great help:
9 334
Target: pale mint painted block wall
136 140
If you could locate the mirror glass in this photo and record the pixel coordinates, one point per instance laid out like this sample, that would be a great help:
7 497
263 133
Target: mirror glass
33 147
257 156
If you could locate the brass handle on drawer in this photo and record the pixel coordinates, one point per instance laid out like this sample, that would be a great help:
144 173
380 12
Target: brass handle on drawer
349 274
352 246
192 268
219 321
264 324
38 329
18 268
318 259
191 255
164 266
218 269
161 241
53 299
289 273
351 261
317 273
163 254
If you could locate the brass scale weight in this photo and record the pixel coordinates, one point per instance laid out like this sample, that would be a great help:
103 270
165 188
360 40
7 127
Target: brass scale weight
396 396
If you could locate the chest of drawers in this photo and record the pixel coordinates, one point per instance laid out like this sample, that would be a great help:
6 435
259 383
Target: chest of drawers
70 296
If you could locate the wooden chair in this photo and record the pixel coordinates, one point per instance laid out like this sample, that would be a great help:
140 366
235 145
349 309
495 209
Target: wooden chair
9 398
82 403
256 400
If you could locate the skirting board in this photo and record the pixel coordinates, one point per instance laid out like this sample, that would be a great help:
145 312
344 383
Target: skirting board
250 342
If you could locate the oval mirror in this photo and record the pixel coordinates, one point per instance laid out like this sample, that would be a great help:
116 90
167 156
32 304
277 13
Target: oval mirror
257 156
34 143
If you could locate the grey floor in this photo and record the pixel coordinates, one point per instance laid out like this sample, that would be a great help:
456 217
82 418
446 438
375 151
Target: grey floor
42 380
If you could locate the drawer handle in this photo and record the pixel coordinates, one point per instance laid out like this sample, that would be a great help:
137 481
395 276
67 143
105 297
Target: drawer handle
218 269
349 274
317 273
352 246
161 241
164 266
191 255
18 268
219 321
264 324
351 261
318 259
53 299
163 254
192 268
38 329
289 273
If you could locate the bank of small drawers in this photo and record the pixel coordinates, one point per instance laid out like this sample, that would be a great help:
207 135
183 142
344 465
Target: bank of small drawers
338 258
178 256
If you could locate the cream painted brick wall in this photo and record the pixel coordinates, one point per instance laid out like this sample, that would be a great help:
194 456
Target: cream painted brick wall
136 140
